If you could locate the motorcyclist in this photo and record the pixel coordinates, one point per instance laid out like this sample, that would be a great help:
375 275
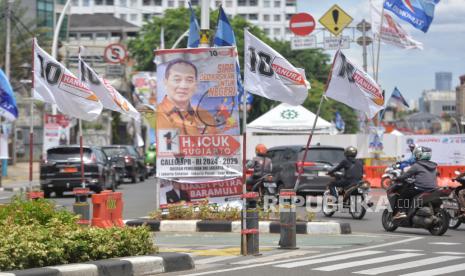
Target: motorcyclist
151 155
424 173
261 165
352 168
408 162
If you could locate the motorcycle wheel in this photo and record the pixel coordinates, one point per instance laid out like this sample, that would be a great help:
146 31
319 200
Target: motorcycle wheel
386 182
360 214
442 225
454 221
386 221
327 211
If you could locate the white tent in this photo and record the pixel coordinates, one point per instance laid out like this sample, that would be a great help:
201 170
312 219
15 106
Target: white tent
289 119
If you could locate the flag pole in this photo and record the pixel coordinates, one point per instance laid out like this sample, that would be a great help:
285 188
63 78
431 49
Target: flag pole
31 127
379 43
244 169
81 151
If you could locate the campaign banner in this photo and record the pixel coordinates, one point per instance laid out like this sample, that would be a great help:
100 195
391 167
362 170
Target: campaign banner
56 130
375 138
219 192
447 149
197 115
145 87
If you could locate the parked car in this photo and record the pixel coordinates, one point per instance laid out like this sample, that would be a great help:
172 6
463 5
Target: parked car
134 162
286 161
60 170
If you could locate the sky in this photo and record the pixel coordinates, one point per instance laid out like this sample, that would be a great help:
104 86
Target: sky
412 71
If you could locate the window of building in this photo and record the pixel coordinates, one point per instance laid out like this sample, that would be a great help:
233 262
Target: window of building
277 17
110 2
102 36
147 16
123 17
181 3
243 15
267 3
253 3
277 4
229 3
291 3
288 31
288 16
72 36
146 2
75 3
170 4
133 17
195 2
218 3
123 3
98 2
85 3
86 36
133 3
266 17
45 14
241 2
253 16
277 31
267 31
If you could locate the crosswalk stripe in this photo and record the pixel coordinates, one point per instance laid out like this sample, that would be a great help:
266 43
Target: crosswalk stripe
445 243
438 271
450 253
396 267
329 259
275 257
367 262
214 259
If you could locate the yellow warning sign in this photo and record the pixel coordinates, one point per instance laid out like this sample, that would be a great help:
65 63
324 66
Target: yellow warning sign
335 20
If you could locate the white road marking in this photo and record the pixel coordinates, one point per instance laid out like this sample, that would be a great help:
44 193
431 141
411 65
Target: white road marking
367 262
213 259
450 253
407 250
411 239
275 257
408 265
445 243
329 259
438 271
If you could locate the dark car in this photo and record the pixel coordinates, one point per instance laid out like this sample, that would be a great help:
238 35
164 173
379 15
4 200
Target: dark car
60 170
286 162
134 162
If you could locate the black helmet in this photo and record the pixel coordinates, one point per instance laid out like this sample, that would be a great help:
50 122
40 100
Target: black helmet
412 147
350 152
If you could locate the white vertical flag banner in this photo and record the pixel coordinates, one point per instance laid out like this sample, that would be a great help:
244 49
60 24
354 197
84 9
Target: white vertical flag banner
354 87
108 95
268 74
392 32
55 84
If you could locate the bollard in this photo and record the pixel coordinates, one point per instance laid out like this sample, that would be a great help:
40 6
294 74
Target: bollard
81 206
287 214
251 233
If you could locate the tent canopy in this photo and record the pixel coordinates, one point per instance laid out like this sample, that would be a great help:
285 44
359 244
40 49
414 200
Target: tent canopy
289 119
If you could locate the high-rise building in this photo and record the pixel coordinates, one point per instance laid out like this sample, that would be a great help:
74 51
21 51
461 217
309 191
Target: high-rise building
271 15
444 81
44 13
438 102
460 95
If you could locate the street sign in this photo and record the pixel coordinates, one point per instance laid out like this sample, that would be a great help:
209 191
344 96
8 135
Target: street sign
303 42
335 20
115 53
302 24
332 43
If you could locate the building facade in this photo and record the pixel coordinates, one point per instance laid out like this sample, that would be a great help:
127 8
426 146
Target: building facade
270 15
460 94
443 81
438 102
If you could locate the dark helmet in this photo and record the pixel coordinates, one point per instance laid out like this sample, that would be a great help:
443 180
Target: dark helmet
350 152
411 147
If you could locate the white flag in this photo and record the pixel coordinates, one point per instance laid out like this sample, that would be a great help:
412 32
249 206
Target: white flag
55 84
268 74
392 32
354 87
108 95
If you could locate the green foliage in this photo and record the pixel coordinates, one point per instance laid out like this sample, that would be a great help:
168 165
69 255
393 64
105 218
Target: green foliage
34 234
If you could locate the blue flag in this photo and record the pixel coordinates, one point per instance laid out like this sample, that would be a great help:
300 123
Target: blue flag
397 96
419 13
339 122
224 36
8 108
193 40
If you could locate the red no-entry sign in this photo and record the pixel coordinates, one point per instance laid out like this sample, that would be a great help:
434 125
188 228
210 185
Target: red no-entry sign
302 24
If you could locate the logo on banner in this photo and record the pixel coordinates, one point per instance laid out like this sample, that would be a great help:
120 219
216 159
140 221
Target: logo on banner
171 141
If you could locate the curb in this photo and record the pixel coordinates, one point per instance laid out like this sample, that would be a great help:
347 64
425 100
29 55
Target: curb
13 189
310 228
128 266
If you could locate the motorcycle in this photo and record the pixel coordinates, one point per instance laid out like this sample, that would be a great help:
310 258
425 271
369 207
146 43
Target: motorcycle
265 186
150 161
428 210
457 216
353 197
390 173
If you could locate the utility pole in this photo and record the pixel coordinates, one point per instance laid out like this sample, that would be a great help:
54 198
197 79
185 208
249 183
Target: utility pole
205 24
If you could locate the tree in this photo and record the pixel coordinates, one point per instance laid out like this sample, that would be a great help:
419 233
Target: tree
315 62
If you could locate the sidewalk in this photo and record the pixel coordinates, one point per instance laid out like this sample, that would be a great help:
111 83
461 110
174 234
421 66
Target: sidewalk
18 177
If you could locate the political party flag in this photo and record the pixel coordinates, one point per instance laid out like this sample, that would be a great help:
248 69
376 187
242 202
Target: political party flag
398 98
352 86
108 95
419 13
391 31
224 36
268 74
339 122
193 40
8 107
55 84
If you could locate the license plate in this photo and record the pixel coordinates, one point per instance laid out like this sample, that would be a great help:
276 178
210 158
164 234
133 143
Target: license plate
449 204
69 170
269 185
322 174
